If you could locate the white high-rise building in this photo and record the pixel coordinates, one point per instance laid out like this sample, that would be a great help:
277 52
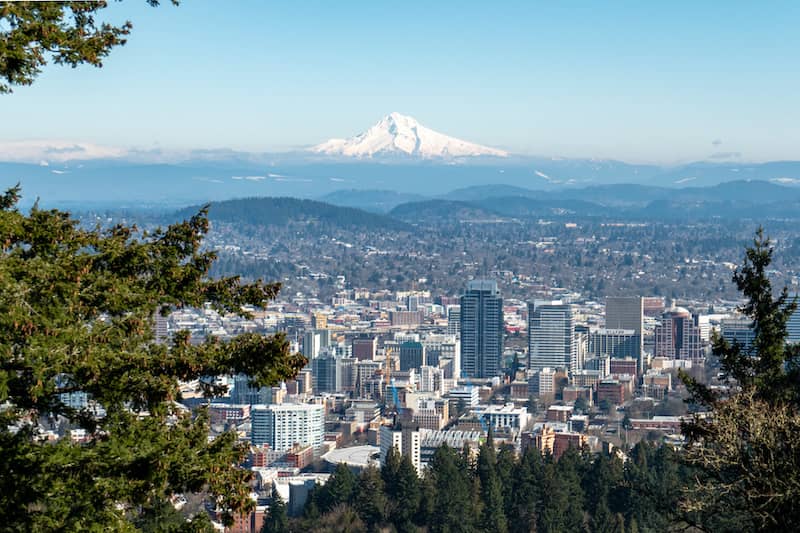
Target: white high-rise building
430 379
281 426
405 441
551 337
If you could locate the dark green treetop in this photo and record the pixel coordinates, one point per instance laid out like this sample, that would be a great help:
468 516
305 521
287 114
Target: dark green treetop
66 33
77 312
745 442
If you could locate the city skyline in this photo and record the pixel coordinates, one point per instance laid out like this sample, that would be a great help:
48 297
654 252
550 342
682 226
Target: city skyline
399 267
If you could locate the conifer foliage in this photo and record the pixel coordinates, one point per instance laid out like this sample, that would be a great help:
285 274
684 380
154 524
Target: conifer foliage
462 491
66 33
745 438
77 311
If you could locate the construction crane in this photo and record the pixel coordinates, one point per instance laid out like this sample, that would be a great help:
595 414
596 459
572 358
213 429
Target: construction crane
387 363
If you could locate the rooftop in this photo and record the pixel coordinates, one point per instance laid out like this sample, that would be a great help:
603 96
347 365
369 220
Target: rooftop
360 456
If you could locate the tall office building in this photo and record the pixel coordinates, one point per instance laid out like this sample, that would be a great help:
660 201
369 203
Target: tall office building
618 343
678 337
551 337
453 319
364 349
323 373
440 347
314 341
281 426
627 313
481 330
345 374
738 330
245 394
412 355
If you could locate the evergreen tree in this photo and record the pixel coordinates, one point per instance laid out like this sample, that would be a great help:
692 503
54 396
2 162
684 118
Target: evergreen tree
554 500
159 516
339 490
77 311
66 33
493 516
341 519
451 509
525 497
427 500
600 486
370 499
570 469
506 464
402 490
311 510
406 497
748 451
277 519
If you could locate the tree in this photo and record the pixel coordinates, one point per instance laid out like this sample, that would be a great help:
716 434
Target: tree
340 488
77 312
452 506
402 490
342 519
370 499
492 516
277 519
581 405
526 492
65 33
745 442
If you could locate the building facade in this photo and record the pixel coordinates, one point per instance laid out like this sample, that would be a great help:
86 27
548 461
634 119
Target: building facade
481 330
282 426
551 337
677 336
627 313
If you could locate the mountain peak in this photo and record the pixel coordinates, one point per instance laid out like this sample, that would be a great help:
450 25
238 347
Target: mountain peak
401 135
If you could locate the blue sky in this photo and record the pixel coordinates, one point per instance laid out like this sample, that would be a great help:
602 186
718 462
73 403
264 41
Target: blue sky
635 81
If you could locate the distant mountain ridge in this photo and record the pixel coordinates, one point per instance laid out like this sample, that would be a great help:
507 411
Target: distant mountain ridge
269 211
749 199
378 201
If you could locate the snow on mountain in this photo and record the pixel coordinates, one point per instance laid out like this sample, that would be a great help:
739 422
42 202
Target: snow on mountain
402 135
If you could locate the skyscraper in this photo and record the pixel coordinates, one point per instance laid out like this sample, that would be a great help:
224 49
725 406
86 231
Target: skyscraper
453 320
244 393
412 355
678 337
738 330
323 372
551 337
481 330
626 313
314 341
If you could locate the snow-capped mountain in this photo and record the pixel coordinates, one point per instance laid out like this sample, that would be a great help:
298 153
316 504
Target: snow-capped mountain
401 135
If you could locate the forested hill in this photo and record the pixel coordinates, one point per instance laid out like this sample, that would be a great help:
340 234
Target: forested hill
437 209
282 211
